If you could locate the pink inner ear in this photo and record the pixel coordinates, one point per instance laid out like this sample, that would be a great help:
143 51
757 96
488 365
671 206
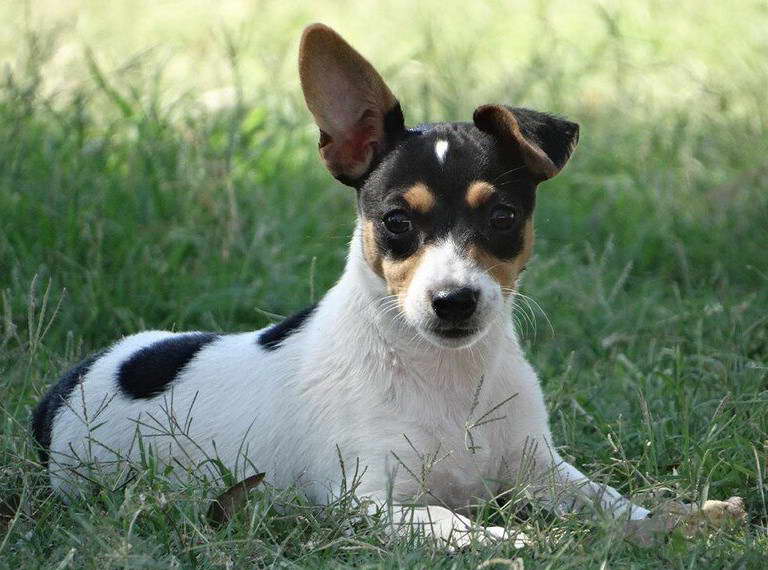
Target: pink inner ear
347 98
349 153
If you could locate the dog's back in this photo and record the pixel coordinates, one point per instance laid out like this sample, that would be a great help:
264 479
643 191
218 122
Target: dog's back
190 397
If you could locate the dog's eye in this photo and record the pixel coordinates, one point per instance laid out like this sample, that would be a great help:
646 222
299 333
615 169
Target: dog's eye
502 217
398 222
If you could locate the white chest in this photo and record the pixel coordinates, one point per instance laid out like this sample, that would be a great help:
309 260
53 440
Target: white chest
420 440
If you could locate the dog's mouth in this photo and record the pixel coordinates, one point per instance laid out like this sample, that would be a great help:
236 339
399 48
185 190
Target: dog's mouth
453 336
454 332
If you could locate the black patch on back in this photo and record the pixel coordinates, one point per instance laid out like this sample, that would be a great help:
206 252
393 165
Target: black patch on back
273 337
150 370
45 412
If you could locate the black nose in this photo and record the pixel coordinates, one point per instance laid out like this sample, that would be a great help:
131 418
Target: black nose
455 304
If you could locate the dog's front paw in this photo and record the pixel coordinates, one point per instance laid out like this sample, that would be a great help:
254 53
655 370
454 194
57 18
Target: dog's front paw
514 537
691 519
480 536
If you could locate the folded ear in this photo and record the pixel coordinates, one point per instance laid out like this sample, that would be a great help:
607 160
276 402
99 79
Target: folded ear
542 142
357 114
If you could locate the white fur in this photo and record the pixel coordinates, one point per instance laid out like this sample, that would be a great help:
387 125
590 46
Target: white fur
357 381
441 147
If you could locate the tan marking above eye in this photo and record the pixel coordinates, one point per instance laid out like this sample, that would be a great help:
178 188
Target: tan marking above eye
506 271
420 198
479 192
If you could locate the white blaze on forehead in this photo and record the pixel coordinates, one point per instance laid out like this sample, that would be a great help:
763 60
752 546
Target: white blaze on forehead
441 147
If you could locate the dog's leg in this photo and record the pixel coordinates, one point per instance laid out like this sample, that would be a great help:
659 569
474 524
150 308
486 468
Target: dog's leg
573 491
565 489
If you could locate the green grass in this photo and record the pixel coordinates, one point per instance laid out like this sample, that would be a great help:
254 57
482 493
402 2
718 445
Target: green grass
127 203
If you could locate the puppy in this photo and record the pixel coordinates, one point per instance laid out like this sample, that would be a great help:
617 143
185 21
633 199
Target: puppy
408 372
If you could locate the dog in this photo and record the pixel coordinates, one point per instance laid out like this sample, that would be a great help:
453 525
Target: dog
409 368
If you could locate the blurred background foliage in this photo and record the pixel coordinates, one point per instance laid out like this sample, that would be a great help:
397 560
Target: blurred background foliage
163 147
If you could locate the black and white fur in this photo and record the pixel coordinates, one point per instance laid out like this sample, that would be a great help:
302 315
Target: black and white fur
390 370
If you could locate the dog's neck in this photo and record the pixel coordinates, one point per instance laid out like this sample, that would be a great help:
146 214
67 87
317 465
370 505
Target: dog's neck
361 304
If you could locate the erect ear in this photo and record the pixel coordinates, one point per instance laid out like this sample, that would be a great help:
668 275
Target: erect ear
544 143
357 114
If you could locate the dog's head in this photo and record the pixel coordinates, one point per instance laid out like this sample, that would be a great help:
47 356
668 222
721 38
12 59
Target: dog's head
445 209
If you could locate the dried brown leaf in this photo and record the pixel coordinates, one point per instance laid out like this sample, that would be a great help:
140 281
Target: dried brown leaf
8 509
224 507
